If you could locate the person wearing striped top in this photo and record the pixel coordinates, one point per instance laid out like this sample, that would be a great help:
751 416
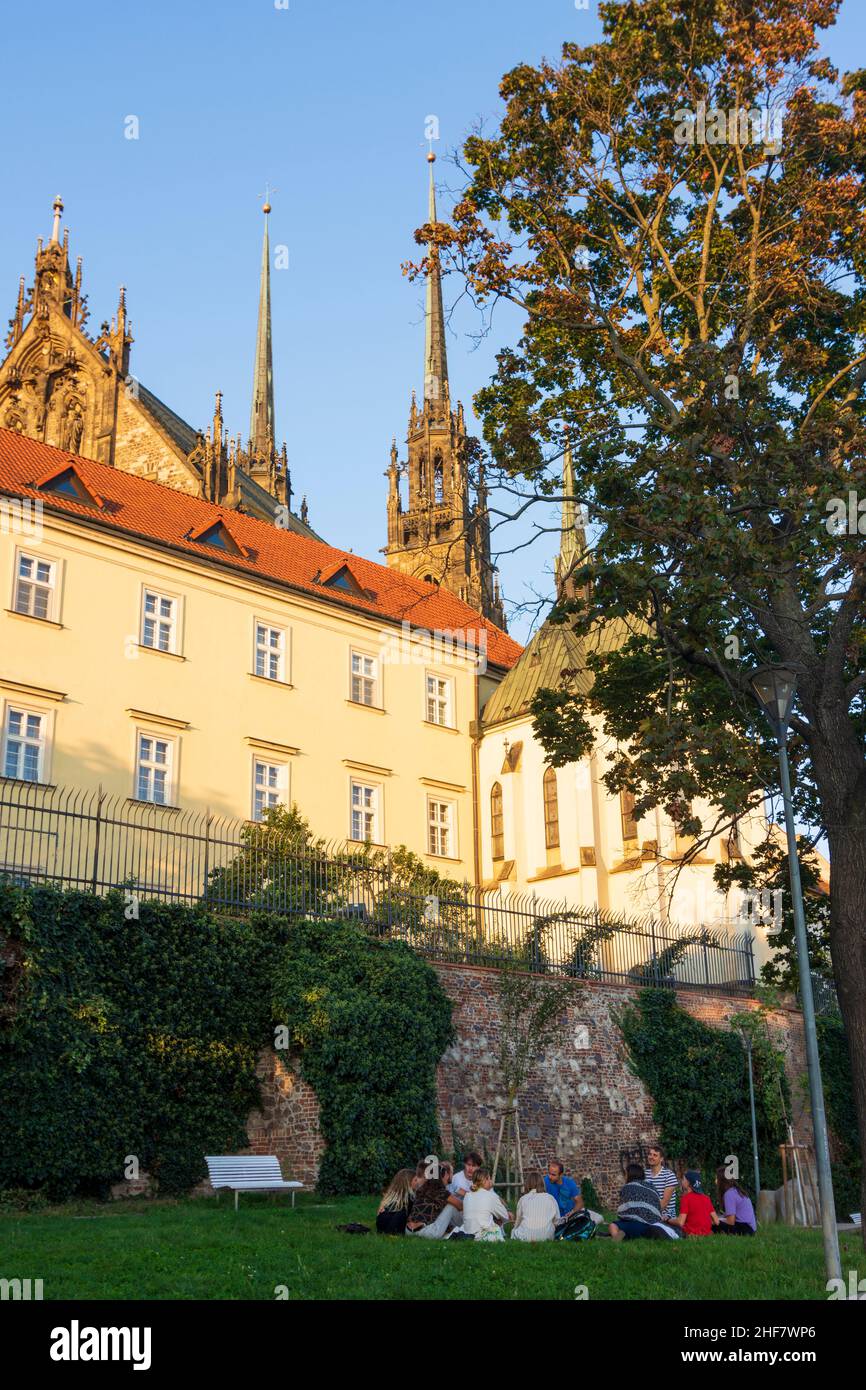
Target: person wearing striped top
663 1179
537 1211
639 1214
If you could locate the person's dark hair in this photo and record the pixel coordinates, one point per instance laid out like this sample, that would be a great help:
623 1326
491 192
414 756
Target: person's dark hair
658 1148
533 1182
634 1173
472 1157
557 1163
723 1182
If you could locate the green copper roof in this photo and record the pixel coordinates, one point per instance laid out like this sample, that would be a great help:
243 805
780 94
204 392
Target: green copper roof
554 659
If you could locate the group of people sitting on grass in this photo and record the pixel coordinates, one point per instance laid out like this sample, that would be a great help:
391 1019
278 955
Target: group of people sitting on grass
648 1204
435 1202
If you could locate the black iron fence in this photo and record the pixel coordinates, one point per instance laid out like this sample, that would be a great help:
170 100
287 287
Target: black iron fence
85 839
824 995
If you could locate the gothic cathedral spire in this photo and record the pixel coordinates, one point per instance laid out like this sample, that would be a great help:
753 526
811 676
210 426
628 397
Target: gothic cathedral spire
442 535
262 434
435 359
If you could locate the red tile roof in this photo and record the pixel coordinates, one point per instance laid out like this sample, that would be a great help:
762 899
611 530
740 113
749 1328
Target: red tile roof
150 512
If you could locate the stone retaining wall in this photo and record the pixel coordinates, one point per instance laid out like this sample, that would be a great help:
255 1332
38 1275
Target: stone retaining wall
581 1102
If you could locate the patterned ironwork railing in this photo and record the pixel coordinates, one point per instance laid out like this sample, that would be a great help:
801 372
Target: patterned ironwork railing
87 840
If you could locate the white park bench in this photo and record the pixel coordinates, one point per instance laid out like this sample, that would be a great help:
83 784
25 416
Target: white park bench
248 1173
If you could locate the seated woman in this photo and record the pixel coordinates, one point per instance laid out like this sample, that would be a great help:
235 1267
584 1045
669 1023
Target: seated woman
537 1211
396 1204
738 1215
639 1214
483 1211
433 1210
696 1210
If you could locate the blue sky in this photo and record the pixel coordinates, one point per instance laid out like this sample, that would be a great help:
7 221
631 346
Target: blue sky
326 101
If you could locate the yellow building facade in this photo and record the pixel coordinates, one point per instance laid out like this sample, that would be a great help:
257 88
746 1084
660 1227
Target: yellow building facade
176 654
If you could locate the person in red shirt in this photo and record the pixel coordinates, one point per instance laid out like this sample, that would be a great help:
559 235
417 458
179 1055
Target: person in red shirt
696 1209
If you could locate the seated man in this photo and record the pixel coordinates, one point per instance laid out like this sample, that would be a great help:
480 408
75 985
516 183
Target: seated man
639 1214
461 1182
565 1191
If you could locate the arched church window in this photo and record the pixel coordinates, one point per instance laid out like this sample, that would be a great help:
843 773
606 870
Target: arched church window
551 809
438 479
497 822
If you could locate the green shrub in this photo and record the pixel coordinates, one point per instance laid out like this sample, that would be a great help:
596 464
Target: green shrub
139 1038
371 1021
697 1078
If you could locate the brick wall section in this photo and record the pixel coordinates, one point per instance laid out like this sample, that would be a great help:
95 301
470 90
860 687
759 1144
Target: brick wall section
288 1123
581 1103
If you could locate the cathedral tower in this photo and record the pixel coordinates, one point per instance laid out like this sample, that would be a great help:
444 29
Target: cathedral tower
442 534
75 390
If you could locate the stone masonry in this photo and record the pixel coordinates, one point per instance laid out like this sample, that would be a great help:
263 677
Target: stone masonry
581 1102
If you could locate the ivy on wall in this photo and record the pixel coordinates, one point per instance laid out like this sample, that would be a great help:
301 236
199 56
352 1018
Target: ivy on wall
698 1081
125 1039
138 1039
372 1021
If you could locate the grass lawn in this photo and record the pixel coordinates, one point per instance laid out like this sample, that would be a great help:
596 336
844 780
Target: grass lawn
201 1249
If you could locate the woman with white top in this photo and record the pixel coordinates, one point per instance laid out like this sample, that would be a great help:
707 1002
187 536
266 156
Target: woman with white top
537 1211
483 1211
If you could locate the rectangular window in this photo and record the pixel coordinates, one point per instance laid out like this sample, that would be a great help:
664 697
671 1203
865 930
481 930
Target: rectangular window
440 828
159 622
270 652
629 824
269 787
365 813
24 744
365 679
153 769
35 586
440 701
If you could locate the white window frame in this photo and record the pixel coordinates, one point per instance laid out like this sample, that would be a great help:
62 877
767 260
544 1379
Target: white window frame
267 650
449 721
171 742
281 787
362 676
436 826
174 647
53 585
12 706
366 784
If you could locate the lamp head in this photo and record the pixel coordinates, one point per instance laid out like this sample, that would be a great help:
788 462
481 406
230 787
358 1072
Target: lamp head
774 688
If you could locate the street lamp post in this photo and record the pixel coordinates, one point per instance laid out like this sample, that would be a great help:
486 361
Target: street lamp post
774 688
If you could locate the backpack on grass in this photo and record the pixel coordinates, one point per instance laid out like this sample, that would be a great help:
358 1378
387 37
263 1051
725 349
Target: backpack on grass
578 1226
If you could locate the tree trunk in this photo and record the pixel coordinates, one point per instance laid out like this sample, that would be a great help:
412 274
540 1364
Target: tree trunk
848 947
837 760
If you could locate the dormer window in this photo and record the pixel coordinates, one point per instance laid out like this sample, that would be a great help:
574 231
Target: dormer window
218 535
68 482
341 577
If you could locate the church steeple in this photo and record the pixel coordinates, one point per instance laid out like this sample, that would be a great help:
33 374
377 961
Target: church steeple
442 534
262 412
572 540
435 358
